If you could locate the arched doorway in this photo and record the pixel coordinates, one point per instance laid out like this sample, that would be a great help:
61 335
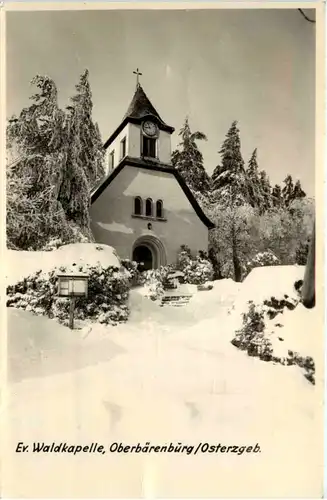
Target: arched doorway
143 255
149 250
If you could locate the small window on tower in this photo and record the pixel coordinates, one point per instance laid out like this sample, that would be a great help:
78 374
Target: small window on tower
148 207
159 209
137 206
149 147
123 148
111 160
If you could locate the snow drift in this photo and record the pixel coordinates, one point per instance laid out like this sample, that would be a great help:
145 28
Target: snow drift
287 327
21 264
262 284
265 282
39 347
204 304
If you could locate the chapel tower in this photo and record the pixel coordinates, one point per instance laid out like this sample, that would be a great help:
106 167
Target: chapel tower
143 207
141 135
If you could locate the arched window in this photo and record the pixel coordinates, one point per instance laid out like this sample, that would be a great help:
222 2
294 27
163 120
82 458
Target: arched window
159 209
137 206
148 207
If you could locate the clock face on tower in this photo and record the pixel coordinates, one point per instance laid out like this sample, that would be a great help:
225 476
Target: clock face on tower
150 129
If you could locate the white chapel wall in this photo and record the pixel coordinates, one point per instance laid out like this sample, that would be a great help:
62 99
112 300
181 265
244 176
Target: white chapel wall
112 214
164 147
134 132
116 147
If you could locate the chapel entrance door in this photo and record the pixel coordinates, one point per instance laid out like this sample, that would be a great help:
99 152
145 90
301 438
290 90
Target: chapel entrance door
143 255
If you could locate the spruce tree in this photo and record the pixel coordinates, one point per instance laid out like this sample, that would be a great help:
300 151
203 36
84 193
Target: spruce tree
75 188
252 173
276 195
36 142
47 188
188 159
230 191
228 179
91 154
288 190
266 194
298 192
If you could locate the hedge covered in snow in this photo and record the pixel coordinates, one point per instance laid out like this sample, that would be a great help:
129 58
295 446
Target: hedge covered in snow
21 264
108 286
108 291
268 333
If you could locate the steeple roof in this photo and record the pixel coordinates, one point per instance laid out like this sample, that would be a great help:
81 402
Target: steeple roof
140 108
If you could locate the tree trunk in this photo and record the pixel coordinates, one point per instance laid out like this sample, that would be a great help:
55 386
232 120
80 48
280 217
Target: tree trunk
215 264
309 283
236 260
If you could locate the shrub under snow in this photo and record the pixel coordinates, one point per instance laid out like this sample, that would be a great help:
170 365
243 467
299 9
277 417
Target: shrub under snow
35 290
154 282
21 264
106 302
264 333
198 270
261 259
136 277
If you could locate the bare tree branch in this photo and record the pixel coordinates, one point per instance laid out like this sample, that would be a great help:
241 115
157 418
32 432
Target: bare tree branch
306 17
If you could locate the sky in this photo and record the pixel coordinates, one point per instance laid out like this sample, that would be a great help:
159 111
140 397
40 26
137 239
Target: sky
214 66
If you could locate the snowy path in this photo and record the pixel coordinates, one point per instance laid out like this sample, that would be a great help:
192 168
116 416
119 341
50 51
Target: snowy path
173 376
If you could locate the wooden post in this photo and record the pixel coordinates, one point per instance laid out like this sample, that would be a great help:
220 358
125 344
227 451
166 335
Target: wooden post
71 312
309 282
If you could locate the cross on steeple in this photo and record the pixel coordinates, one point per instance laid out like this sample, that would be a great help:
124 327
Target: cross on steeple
137 73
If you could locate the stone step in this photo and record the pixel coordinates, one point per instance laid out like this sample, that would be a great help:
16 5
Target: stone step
174 305
176 297
175 300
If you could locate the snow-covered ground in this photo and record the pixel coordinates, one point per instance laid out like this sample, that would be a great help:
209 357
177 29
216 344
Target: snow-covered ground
168 375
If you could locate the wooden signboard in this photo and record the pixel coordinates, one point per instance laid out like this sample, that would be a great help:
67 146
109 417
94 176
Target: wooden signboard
72 285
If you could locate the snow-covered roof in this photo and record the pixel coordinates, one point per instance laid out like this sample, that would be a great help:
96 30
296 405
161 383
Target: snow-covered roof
72 274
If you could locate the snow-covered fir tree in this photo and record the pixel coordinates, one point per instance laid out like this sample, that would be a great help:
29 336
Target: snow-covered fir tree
298 192
229 183
288 190
265 188
188 159
53 159
254 186
91 151
230 192
75 188
276 195
36 146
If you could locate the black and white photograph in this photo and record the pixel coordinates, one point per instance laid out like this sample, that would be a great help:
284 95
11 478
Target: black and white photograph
163 285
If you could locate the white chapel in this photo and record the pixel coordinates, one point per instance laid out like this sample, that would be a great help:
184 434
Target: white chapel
143 207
